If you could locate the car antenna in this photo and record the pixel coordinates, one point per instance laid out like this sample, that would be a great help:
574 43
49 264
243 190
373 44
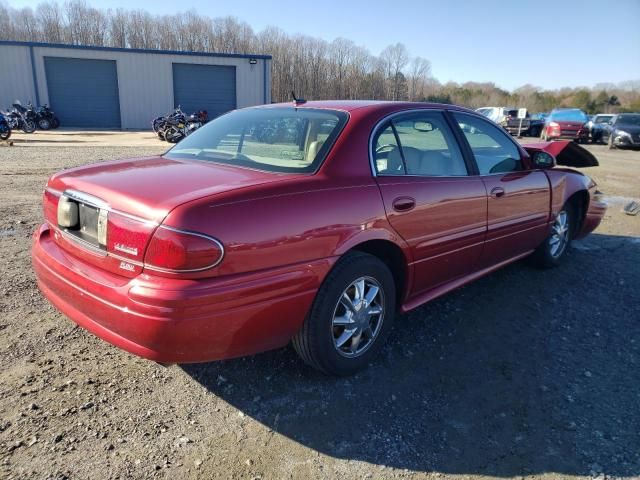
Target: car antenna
296 100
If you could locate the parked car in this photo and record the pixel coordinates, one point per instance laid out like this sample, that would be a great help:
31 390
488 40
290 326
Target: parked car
512 124
495 114
566 123
595 125
229 245
622 131
536 124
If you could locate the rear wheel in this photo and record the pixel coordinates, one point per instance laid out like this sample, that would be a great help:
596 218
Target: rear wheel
5 133
44 124
550 252
350 318
55 123
29 126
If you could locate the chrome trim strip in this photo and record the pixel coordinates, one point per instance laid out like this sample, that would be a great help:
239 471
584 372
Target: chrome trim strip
98 203
195 234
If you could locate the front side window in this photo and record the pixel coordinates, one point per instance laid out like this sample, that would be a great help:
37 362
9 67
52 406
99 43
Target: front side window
282 139
419 144
493 150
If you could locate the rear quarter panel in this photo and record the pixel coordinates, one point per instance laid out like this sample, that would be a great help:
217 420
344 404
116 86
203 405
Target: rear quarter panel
308 218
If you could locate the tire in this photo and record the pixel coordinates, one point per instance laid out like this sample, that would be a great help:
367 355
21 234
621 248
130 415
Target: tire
5 134
173 135
341 341
549 253
55 123
29 126
44 124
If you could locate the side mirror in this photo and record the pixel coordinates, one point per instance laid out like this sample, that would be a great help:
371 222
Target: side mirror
543 160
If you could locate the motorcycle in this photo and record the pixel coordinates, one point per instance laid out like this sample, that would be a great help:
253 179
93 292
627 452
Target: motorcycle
160 123
22 118
177 125
46 118
5 129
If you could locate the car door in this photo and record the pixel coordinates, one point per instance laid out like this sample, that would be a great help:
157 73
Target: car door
518 198
430 198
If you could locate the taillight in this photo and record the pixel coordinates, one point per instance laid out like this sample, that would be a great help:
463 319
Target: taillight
127 237
177 251
50 206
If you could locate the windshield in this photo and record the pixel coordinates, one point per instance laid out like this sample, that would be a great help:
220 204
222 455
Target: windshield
280 139
627 119
602 118
569 116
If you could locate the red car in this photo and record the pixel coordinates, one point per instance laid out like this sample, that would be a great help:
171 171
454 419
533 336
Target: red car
569 123
310 222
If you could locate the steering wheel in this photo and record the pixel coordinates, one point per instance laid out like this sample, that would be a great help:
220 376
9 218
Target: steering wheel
390 146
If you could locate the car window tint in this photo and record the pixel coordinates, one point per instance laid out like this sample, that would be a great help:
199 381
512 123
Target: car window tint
428 145
386 154
493 150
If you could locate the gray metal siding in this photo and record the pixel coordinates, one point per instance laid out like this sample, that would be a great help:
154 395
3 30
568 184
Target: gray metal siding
145 79
16 76
204 87
83 92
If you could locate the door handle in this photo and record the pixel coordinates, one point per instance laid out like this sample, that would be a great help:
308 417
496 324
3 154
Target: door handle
403 204
497 192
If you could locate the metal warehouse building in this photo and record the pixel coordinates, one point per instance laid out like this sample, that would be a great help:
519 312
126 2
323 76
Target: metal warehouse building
104 87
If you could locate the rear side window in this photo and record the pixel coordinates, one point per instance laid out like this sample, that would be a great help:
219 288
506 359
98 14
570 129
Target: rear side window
420 144
493 150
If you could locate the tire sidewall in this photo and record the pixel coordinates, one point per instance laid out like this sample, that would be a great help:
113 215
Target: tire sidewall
348 270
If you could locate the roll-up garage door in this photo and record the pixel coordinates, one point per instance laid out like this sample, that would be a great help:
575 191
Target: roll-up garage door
83 92
204 87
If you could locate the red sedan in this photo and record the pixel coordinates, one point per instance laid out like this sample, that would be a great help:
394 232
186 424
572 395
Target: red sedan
310 222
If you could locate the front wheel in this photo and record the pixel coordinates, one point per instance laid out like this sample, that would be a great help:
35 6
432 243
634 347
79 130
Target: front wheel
44 124
350 318
5 133
549 254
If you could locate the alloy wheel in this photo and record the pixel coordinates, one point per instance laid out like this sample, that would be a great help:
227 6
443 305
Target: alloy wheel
559 235
358 317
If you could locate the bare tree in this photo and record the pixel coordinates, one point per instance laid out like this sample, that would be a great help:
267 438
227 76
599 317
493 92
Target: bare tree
314 68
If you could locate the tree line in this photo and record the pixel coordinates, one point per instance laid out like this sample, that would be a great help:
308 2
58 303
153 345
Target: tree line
312 67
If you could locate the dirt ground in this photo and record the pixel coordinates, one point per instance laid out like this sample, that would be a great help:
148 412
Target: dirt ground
524 373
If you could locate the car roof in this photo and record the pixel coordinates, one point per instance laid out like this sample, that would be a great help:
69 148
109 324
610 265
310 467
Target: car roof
369 105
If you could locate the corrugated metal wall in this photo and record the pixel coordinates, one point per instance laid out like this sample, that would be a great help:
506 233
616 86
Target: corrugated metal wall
16 76
145 80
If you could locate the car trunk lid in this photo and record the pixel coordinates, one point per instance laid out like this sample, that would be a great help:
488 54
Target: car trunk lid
566 153
107 213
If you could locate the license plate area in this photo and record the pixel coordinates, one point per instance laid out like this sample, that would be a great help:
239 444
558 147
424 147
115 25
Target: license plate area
84 219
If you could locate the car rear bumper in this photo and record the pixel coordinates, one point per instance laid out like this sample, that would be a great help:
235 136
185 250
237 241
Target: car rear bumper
179 321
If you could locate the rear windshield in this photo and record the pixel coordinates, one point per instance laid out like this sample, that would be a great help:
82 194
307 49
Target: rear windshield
569 116
279 139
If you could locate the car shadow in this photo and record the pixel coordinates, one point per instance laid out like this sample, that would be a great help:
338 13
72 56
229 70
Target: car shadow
522 372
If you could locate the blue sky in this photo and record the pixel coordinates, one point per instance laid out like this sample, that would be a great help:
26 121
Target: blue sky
548 44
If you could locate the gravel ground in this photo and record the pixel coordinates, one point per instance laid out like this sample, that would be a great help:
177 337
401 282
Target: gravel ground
524 373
